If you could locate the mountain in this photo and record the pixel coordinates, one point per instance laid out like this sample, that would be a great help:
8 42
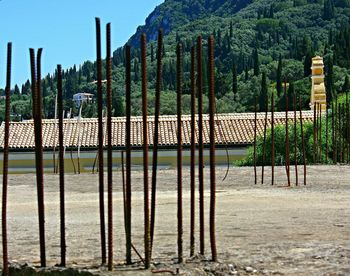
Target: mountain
274 38
175 13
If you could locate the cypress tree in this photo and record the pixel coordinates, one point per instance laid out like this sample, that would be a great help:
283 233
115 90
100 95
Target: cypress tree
279 77
307 64
256 62
329 79
263 93
234 80
346 85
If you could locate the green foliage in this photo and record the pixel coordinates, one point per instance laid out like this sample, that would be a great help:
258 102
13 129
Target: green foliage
280 146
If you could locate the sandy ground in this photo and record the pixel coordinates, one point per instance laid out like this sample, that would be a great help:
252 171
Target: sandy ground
261 229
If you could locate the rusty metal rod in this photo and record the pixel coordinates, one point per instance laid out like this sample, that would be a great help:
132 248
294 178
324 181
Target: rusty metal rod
200 143
327 134
156 134
302 139
273 138
179 79
339 132
100 140
5 264
287 136
212 146
264 144
320 135
255 128
128 152
36 95
333 134
341 136
193 150
109 148
314 134
295 139
61 164
145 150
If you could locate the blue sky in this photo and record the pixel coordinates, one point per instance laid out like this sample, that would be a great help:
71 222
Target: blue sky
65 29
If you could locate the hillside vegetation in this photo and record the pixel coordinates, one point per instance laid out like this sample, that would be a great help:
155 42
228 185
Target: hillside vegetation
259 44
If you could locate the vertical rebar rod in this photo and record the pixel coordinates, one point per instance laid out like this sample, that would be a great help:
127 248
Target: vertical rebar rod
156 135
273 139
302 139
314 134
109 147
342 151
295 139
200 144
193 150
100 140
347 125
61 164
5 265
339 132
37 106
145 150
128 153
320 135
333 134
212 146
179 79
327 134
346 134
255 126
317 130
264 144
287 135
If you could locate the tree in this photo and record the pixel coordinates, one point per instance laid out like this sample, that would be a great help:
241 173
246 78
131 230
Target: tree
307 64
231 29
329 79
234 80
328 9
279 77
256 62
346 85
263 93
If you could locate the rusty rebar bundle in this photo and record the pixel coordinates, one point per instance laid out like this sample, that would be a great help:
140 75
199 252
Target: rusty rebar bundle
109 148
212 145
273 139
100 140
5 265
302 139
179 79
128 153
287 136
156 134
37 108
295 139
61 164
193 150
145 150
255 126
200 144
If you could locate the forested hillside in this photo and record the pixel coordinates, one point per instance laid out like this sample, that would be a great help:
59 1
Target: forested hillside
258 45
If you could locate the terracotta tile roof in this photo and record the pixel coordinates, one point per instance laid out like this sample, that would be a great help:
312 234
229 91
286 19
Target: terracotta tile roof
231 129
